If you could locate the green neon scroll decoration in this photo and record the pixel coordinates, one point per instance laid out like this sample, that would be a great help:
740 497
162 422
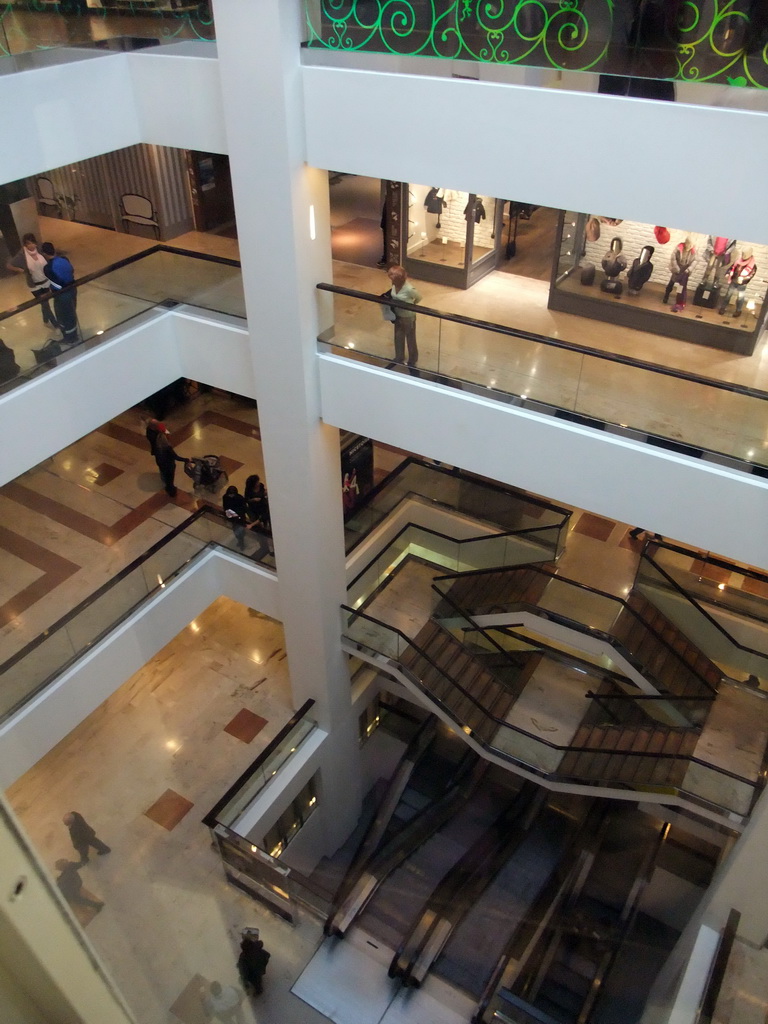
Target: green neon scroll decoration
691 40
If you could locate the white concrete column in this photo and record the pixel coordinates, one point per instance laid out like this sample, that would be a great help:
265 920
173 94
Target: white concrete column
275 193
48 972
741 881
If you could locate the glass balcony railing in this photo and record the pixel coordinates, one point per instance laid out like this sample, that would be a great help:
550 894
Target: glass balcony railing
724 611
700 783
660 405
49 654
543 523
482 552
111 298
37 27
659 40
244 791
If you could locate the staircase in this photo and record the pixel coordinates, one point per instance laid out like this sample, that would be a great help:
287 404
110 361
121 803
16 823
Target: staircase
458 680
666 654
492 593
611 749
477 690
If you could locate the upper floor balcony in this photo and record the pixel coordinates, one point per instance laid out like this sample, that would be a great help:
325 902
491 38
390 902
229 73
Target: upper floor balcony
625 47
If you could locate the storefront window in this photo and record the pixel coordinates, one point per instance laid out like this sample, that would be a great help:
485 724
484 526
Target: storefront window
680 283
452 236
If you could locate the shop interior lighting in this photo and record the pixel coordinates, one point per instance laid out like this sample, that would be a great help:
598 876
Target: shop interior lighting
312 231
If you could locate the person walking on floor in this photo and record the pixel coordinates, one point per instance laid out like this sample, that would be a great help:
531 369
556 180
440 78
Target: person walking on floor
61 275
83 836
30 262
252 962
224 1002
71 885
405 319
166 459
152 428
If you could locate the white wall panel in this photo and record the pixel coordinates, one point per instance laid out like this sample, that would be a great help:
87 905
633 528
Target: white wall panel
714 508
62 114
37 728
71 112
178 98
630 158
215 349
64 404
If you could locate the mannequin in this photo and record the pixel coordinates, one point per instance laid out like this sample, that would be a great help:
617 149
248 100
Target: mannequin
719 255
680 265
740 273
475 210
614 263
640 271
435 203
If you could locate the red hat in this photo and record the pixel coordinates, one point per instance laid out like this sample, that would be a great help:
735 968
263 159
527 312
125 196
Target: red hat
662 235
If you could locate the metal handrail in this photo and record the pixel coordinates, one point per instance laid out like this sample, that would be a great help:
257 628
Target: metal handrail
211 819
118 265
572 748
581 627
569 346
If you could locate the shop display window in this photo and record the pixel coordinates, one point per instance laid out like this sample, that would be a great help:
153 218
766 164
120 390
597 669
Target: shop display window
668 280
452 236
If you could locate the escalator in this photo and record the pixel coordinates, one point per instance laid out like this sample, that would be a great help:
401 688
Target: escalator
462 886
389 915
434 779
518 895
567 967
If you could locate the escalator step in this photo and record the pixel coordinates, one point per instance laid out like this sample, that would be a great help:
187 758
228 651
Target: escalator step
562 997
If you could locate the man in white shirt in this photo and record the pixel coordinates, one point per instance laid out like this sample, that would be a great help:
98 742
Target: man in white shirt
29 261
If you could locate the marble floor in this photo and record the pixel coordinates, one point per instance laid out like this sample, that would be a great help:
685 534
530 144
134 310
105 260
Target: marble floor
170 920
71 523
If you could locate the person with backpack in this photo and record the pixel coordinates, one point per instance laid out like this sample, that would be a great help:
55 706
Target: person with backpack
61 275
252 962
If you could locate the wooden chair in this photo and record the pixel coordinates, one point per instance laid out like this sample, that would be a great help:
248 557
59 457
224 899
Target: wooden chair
136 209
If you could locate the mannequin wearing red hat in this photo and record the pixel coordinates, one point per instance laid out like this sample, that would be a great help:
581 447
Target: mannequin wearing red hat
680 265
738 277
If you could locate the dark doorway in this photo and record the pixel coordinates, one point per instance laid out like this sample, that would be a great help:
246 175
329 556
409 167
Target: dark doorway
533 242
356 205
211 188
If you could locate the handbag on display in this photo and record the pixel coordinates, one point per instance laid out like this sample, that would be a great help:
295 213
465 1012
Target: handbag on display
588 274
706 295
593 230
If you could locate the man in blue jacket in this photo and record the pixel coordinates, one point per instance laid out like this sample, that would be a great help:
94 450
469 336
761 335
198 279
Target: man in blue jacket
61 274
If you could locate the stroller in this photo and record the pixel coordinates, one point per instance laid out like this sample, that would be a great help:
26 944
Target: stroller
207 473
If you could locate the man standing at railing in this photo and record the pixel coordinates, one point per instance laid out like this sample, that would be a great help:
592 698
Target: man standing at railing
405 319
61 275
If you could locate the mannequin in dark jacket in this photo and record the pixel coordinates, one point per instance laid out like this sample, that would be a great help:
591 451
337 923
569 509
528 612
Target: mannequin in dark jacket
640 271
680 265
614 263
